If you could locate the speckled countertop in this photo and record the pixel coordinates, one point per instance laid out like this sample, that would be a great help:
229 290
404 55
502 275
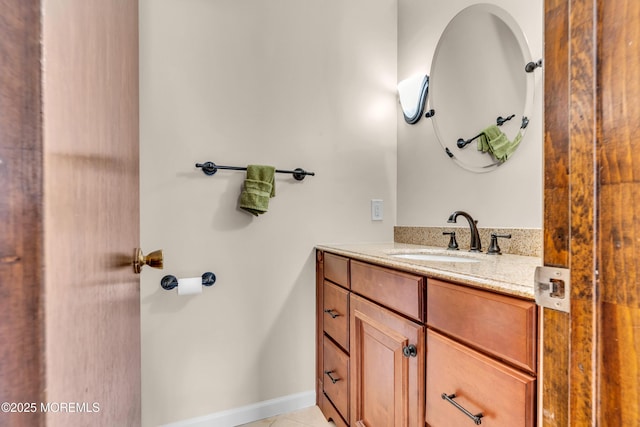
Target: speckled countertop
507 274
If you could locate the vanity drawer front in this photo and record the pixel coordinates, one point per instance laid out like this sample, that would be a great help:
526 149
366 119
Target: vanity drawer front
498 324
503 395
402 292
330 412
336 313
336 269
335 380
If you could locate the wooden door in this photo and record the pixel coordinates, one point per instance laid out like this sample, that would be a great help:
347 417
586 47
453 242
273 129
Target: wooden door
619 223
70 163
21 288
387 387
591 359
90 110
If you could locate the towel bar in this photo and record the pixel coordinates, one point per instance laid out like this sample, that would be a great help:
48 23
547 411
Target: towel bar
210 168
499 121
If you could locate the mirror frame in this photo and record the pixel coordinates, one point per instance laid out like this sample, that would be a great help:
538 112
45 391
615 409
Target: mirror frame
491 163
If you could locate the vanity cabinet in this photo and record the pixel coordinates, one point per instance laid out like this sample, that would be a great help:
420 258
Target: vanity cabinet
400 349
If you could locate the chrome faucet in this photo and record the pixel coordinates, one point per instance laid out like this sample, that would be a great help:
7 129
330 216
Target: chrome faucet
476 245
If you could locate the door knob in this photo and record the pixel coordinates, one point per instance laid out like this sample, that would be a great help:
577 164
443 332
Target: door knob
154 259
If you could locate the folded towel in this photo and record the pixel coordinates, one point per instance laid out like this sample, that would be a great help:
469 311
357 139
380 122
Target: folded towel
259 187
494 141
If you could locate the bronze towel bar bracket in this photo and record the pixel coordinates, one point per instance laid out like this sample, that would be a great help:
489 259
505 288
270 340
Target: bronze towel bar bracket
531 66
210 168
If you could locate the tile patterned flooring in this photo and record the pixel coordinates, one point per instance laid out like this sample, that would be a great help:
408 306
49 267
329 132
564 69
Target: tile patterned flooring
308 417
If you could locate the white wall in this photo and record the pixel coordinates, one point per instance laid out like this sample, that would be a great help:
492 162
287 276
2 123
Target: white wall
291 83
430 185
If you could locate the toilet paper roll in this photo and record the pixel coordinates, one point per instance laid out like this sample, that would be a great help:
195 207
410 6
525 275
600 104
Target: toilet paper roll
190 286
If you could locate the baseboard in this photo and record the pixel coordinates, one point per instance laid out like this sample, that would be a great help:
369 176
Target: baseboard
250 413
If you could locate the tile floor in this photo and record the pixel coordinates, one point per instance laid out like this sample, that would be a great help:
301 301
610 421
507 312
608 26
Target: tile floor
308 417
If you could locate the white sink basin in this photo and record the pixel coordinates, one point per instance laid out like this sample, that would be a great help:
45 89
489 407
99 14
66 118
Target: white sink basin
434 257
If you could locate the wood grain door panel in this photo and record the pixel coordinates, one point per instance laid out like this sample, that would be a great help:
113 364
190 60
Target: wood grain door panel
387 388
91 201
592 156
21 260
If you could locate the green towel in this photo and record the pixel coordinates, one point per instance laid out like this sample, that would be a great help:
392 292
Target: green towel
494 141
259 187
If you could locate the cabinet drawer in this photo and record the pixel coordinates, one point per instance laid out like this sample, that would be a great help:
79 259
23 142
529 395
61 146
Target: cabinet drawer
498 324
335 380
330 412
482 385
336 314
336 269
402 292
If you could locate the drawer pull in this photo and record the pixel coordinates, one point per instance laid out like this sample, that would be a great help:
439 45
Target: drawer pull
410 351
333 380
477 419
331 312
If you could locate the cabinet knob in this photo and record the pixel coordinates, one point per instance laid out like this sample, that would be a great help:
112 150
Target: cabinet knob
410 351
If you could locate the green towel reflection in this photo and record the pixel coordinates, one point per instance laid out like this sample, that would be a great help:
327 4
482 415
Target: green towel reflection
259 187
494 141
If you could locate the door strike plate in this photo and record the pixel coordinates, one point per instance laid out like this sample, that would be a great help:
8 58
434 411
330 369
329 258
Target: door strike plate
552 287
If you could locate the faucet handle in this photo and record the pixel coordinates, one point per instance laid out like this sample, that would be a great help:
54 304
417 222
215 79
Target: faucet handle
453 244
494 249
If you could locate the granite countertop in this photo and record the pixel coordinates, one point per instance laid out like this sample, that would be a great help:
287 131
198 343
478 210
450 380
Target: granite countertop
506 274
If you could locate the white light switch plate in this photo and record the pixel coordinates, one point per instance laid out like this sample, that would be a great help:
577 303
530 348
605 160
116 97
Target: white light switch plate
377 210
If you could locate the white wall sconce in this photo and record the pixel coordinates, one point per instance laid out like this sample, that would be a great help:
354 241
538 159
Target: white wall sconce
413 95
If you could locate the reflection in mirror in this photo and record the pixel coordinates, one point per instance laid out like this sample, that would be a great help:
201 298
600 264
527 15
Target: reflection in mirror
479 89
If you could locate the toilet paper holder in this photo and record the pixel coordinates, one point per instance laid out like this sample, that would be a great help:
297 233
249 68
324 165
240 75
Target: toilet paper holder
169 282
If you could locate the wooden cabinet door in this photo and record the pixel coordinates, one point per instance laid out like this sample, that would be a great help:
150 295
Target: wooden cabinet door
387 386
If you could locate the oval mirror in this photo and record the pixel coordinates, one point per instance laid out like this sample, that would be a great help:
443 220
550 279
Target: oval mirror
478 80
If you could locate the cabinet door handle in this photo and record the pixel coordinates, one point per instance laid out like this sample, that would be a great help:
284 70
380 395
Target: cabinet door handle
331 312
333 380
477 418
409 351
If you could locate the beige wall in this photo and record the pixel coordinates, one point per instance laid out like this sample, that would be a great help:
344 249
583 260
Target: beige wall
430 185
292 83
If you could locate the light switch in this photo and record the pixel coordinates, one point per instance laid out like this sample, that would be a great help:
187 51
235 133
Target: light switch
377 210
